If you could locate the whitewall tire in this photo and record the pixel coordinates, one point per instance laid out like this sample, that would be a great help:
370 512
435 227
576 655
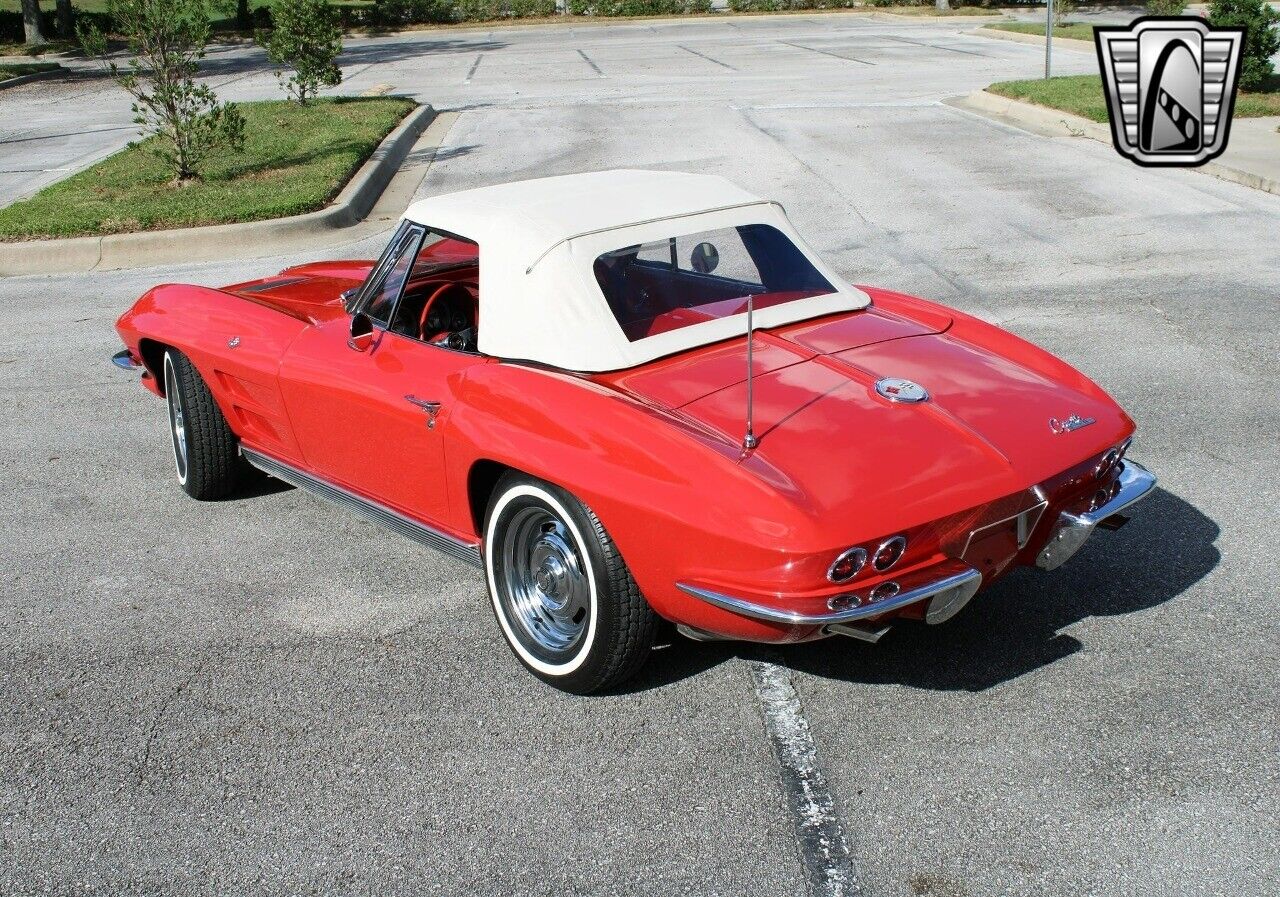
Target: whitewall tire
565 601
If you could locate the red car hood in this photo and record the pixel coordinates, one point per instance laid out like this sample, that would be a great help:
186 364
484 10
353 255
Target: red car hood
829 440
308 292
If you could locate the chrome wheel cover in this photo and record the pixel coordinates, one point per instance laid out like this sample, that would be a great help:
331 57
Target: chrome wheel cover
543 584
177 420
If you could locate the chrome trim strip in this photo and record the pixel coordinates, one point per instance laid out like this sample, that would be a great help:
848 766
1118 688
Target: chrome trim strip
124 361
467 552
1071 531
967 579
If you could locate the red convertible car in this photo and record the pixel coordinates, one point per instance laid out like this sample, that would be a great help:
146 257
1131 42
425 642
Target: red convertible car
632 395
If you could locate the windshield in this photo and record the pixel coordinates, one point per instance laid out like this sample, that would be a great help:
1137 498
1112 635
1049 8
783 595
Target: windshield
679 281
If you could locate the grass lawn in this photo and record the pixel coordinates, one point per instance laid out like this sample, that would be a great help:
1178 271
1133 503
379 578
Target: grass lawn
295 160
1082 95
1076 30
18 69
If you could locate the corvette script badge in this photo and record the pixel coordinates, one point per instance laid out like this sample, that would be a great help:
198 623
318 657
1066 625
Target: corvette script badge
1074 422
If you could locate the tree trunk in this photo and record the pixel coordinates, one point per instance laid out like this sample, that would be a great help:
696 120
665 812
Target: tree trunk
244 18
943 5
31 23
66 20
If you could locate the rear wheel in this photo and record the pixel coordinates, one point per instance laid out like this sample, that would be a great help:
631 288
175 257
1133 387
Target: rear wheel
206 455
562 594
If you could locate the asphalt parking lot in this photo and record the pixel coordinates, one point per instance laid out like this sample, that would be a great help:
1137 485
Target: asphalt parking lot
266 695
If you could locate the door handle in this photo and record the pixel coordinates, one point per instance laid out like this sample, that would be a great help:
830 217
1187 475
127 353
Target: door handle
432 409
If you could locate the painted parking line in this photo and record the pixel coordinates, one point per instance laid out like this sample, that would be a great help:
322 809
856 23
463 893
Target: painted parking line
826 52
589 61
706 57
824 852
904 40
475 65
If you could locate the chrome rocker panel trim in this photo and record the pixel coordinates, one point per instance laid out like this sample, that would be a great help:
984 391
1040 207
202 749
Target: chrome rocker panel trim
1071 531
963 580
124 361
467 552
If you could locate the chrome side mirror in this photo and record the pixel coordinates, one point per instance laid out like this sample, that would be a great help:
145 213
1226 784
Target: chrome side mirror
361 337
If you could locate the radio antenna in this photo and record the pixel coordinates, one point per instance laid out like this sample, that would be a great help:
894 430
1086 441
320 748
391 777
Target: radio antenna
749 441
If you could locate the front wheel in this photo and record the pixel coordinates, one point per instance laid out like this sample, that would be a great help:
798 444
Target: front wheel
562 594
206 455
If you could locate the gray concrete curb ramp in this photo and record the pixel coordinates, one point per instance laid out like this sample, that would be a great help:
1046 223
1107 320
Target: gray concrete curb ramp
1064 43
1056 123
201 244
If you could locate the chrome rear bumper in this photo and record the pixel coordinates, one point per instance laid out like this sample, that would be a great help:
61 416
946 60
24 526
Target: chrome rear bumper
950 584
123 359
1072 530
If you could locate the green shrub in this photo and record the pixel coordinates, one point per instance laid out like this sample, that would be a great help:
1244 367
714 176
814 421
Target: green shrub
11 23
1261 41
414 12
307 38
1166 7
617 8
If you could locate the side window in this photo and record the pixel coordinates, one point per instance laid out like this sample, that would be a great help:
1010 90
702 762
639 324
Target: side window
391 274
659 252
440 302
721 251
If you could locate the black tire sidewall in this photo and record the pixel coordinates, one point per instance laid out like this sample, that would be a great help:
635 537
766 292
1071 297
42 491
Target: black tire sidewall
588 665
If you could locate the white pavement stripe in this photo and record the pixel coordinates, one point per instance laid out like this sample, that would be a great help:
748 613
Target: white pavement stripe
824 851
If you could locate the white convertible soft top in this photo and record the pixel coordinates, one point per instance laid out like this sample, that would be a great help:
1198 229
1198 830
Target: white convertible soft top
538 239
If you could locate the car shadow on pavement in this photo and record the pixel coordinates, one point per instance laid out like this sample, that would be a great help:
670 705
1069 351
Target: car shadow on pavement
1016 627
1012 629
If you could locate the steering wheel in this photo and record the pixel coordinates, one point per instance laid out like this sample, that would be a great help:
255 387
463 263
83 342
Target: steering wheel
424 332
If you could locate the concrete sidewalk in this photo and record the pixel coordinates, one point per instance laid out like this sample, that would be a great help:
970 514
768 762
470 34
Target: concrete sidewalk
1252 157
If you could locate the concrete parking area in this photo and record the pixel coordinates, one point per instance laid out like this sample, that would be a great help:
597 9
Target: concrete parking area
265 695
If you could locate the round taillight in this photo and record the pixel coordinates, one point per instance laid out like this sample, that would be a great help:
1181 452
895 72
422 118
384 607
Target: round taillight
843 602
889 553
846 566
885 591
1107 463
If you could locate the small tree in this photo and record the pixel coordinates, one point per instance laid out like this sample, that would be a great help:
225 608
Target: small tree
1261 40
1061 10
306 37
1166 7
166 40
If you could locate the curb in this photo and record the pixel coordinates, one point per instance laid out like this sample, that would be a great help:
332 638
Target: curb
1067 43
27 79
1056 123
993 17
222 241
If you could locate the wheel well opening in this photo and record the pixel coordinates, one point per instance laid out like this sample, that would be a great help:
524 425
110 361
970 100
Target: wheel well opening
152 354
482 479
